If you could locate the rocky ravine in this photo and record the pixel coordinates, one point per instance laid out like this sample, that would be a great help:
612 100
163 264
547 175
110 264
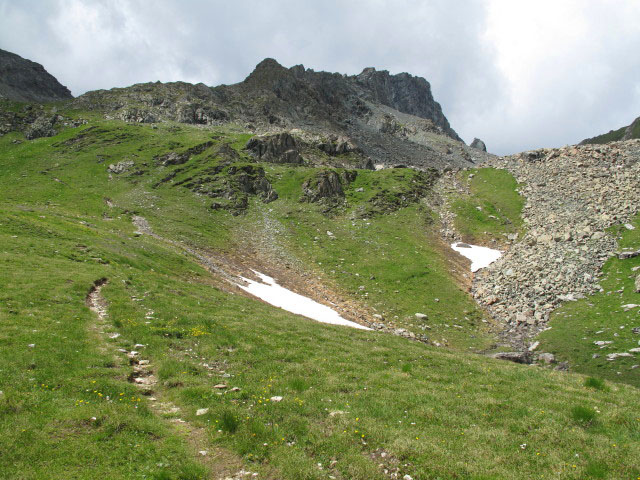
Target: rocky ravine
573 195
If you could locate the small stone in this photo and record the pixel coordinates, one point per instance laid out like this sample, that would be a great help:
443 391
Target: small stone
235 389
547 358
407 477
276 398
203 453
202 411
420 316
220 386
31 345
613 356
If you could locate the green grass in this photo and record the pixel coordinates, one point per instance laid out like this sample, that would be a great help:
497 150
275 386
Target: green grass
600 317
437 412
611 136
397 257
492 209
595 383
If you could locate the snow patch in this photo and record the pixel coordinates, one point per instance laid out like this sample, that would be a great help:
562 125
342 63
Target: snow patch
480 257
269 291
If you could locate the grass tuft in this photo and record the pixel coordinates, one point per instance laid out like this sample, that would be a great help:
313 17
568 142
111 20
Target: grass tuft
596 383
583 415
229 422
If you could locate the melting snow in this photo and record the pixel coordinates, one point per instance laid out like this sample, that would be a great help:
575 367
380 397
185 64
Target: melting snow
480 257
269 291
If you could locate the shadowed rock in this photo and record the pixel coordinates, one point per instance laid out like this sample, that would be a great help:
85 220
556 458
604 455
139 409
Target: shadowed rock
478 144
25 81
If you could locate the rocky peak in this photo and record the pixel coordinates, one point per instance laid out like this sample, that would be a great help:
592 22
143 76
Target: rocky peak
405 93
25 81
478 144
266 73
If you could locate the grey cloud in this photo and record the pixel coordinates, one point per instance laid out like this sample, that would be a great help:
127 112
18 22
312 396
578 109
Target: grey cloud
91 44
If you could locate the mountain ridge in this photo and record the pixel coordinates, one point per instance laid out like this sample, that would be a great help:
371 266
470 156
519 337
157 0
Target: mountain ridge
26 81
629 132
385 116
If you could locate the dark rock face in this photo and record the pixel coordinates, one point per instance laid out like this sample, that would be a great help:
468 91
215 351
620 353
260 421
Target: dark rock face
478 144
278 148
25 81
405 93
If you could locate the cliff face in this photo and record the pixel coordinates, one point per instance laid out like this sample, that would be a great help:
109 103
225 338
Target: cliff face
25 81
405 93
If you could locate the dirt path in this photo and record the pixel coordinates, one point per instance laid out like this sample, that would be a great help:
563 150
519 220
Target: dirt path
221 464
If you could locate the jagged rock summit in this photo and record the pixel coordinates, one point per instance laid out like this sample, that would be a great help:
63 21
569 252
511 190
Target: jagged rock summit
382 117
25 81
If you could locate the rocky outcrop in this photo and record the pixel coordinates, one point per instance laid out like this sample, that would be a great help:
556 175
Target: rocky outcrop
478 145
633 130
278 148
179 158
231 185
25 81
327 186
574 194
42 126
637 284
336 145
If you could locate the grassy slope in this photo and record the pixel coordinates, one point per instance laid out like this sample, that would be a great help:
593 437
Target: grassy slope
614 135
396 257
575 324
441 414
492 207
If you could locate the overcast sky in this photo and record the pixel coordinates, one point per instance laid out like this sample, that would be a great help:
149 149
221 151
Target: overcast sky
519 74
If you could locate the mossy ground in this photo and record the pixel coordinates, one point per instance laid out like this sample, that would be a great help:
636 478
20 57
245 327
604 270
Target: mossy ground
492 208
439 413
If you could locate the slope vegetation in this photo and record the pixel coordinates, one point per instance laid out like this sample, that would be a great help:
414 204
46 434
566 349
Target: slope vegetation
170 371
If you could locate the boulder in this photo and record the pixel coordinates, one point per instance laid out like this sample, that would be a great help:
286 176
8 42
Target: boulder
41 127
516 357
120 167
547 358
478 145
